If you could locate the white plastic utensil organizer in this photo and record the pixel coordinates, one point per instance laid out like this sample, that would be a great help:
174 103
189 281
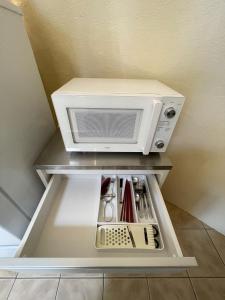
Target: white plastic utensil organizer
112 233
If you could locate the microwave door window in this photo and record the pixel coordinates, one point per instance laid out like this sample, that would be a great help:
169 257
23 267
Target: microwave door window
105 125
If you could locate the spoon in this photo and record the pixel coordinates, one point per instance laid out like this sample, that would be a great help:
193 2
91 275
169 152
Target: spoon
137 201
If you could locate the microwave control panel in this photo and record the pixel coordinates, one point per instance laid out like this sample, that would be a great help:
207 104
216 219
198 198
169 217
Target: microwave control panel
168 118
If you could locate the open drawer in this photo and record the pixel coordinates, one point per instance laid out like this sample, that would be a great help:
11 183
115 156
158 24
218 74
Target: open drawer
61 234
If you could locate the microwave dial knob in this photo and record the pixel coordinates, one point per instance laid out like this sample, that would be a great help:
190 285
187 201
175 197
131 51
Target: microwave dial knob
159 144
170 112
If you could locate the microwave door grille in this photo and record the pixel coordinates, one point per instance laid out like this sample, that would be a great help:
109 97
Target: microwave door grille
105 125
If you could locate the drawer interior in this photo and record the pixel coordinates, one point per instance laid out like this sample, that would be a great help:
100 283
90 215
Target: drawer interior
64 225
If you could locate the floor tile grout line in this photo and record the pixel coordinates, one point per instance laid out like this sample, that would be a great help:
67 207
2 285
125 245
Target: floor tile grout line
206 277
174 277
192 277
148 285
186 271
82 277
215 247
57 288
196 296
43 277
202 224
125 277
189 276
169 277
103 286
11 288
207 227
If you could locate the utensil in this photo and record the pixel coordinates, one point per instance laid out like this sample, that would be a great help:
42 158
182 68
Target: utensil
131 237
113 195
141 200
121 190
137 201
142 210
156 243
108 203
135 180
114 237
108 197
105 185
139 187
146 207
127 209
155 231
146 236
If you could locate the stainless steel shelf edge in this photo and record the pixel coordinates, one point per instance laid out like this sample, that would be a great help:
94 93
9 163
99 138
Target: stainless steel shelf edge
55 157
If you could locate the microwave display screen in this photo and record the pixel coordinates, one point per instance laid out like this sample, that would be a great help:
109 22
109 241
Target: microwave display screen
104 125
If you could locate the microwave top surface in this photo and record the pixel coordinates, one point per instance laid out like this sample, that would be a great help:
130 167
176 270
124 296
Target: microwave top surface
106 86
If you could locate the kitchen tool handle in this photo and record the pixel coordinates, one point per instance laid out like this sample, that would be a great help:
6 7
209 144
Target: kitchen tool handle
105 185
108 219
147 211
142 211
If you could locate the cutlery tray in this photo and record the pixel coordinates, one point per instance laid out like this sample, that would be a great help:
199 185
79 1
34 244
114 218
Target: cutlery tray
141 231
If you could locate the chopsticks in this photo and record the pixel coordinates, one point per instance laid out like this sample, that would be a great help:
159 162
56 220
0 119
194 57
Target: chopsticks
127 208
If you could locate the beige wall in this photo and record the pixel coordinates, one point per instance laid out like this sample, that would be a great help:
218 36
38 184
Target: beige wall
179 42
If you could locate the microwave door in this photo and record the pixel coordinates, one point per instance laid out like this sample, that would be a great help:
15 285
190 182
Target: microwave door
152 124
117 129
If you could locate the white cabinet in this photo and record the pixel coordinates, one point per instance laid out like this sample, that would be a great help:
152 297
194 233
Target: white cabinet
25 126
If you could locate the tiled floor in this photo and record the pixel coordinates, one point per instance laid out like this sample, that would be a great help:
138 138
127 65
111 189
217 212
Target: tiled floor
205 282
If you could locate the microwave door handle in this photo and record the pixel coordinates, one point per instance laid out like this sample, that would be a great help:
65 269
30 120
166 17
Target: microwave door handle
156 110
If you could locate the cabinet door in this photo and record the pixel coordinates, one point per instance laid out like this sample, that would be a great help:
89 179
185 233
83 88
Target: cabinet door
25 121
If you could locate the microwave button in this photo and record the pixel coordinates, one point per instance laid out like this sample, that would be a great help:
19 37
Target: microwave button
170 112
159 144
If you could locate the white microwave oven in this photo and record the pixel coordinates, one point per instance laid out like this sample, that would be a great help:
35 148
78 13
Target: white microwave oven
116 115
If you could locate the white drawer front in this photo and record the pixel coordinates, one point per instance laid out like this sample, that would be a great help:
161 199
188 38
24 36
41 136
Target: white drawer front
61 235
